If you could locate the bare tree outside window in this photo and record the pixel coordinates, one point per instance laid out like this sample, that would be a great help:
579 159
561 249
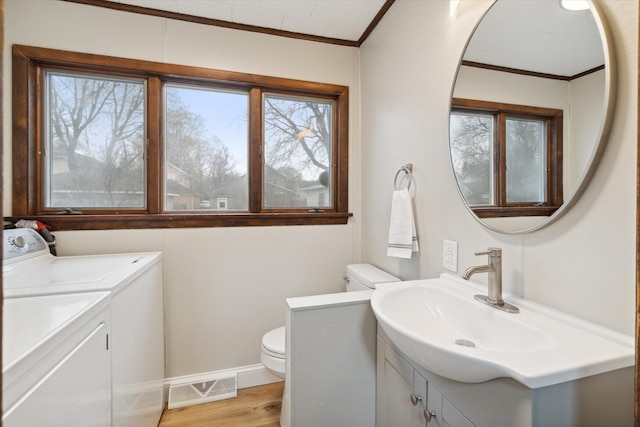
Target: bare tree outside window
297 144
472 154
206 137
95 144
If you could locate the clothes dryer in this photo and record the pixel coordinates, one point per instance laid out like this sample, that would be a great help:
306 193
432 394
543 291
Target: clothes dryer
134 284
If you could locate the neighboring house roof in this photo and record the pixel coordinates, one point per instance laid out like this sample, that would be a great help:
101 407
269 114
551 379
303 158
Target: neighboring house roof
88 175
173 187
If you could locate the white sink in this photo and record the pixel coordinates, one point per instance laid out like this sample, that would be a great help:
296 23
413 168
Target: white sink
440 326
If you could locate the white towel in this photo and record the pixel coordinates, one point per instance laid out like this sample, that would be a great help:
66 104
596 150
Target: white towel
403 239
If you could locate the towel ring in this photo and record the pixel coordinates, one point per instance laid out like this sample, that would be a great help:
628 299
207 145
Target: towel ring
407 169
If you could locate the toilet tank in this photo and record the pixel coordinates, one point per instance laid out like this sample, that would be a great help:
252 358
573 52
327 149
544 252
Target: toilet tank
361 277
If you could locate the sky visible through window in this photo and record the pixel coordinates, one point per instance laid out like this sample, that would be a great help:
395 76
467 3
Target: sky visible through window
225 117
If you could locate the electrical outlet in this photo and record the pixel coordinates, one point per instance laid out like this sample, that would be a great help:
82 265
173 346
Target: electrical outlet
450 255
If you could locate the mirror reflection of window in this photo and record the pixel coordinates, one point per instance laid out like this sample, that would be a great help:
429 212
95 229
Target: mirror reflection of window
526 152
507 158
472 154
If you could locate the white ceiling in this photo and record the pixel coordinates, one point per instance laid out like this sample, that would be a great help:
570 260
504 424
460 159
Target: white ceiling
337 19
532 35
537 36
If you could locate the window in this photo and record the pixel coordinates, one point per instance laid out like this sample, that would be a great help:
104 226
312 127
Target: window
206 133
507 158
135 144
94 141
298 146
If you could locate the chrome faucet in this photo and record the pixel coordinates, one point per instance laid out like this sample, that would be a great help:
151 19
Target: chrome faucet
494 268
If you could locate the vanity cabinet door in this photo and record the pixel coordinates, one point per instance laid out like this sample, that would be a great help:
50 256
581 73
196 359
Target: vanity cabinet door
452 417
395 377
404 395
446 415
421 397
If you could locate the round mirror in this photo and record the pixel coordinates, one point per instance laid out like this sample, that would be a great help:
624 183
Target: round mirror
530 111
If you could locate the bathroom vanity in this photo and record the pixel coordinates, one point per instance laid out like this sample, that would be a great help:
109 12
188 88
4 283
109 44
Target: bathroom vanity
537 368
598 400
406 391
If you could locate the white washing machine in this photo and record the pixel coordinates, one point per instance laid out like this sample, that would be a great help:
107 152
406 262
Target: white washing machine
132 286
56 366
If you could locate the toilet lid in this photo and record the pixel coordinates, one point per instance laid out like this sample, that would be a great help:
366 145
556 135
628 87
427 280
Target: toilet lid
274 340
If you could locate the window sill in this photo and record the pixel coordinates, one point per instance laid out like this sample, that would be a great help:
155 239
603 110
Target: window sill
182 220
503 212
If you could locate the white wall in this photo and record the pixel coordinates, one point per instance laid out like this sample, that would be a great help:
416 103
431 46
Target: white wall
224 287
584 263
587 93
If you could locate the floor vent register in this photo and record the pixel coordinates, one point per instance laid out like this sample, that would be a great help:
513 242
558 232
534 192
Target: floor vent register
209 390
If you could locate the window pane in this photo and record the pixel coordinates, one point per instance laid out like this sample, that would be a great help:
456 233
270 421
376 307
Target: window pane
471 155
526 161
94 141
207 136
298 152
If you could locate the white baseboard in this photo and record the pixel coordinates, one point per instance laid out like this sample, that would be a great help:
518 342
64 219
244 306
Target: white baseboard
255 375
248 376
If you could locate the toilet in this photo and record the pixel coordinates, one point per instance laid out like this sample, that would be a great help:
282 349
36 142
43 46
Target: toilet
360 277
272 356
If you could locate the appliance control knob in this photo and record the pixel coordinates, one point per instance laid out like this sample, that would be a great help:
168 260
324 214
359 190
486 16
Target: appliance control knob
19 242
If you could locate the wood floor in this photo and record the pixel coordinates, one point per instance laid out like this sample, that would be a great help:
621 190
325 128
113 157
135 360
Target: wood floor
254 407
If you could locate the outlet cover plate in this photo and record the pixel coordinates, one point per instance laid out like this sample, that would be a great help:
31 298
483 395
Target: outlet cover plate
450 255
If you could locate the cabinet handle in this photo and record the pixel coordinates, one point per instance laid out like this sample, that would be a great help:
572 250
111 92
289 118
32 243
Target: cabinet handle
428 414
415 399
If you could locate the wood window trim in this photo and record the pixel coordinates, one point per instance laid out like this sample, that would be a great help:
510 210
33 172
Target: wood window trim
27 130
554 119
